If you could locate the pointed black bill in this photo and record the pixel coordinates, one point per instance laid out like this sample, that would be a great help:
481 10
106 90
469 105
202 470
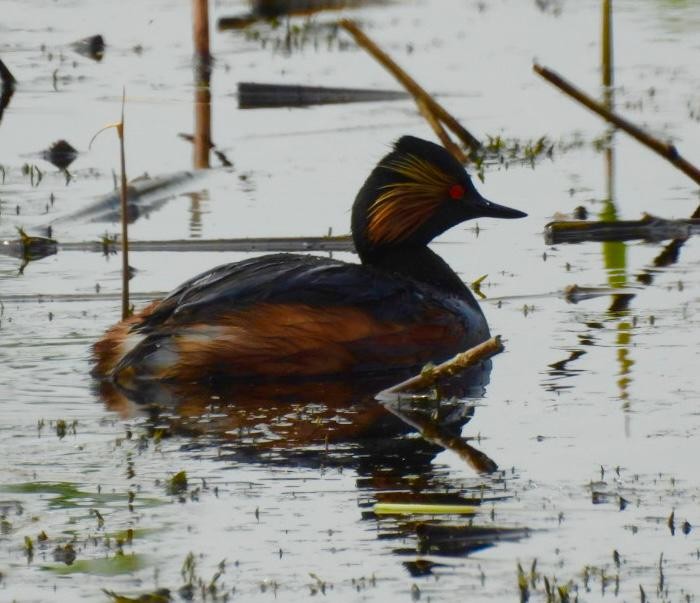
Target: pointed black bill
488 209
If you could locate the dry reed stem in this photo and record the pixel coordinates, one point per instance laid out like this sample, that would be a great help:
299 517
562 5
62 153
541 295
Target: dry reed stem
430 376
666 150
410 84
649 228
124 223
440 132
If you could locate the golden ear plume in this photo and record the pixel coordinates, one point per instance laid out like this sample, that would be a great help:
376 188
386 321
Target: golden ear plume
404 206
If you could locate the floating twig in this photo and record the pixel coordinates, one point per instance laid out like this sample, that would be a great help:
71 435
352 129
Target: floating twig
664 149
410 84
431 375
430 429
649 228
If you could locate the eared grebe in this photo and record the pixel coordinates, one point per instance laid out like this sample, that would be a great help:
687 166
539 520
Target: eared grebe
297 316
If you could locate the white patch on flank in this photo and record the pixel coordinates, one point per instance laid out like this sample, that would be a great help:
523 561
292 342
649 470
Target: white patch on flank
202 333
130 342
163 359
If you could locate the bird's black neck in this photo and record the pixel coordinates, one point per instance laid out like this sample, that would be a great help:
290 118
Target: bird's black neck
421 264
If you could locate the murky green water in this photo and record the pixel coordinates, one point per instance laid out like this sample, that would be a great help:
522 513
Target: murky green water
591 414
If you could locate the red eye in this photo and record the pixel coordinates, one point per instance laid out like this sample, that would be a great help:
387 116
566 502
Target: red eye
456 192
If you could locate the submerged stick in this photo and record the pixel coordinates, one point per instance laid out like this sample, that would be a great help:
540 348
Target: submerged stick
666 150
429 376
432 431
268 244
41 247
410 84
252 95
649 228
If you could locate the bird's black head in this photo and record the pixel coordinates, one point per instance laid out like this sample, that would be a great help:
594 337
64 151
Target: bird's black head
415 193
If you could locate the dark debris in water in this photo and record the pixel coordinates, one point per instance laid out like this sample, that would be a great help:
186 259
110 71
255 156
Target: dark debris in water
421 567
177 484
28 247
7 87
92 47
64 554
61 154
273 10
447 539
293 37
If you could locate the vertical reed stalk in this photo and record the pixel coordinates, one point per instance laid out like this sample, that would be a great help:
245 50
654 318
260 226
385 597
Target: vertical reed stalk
202 126
607 57
123 203
202 98
200 18
123 194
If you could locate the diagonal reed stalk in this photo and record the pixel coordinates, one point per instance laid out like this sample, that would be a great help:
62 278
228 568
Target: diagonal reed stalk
666 150
426 103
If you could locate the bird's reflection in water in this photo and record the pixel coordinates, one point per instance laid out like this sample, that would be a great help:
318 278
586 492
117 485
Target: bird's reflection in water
335 424
312 419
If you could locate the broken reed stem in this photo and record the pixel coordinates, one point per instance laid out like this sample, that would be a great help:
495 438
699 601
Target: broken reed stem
123 204
440 132
431 375
607 56
410 84
650 228
666 150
